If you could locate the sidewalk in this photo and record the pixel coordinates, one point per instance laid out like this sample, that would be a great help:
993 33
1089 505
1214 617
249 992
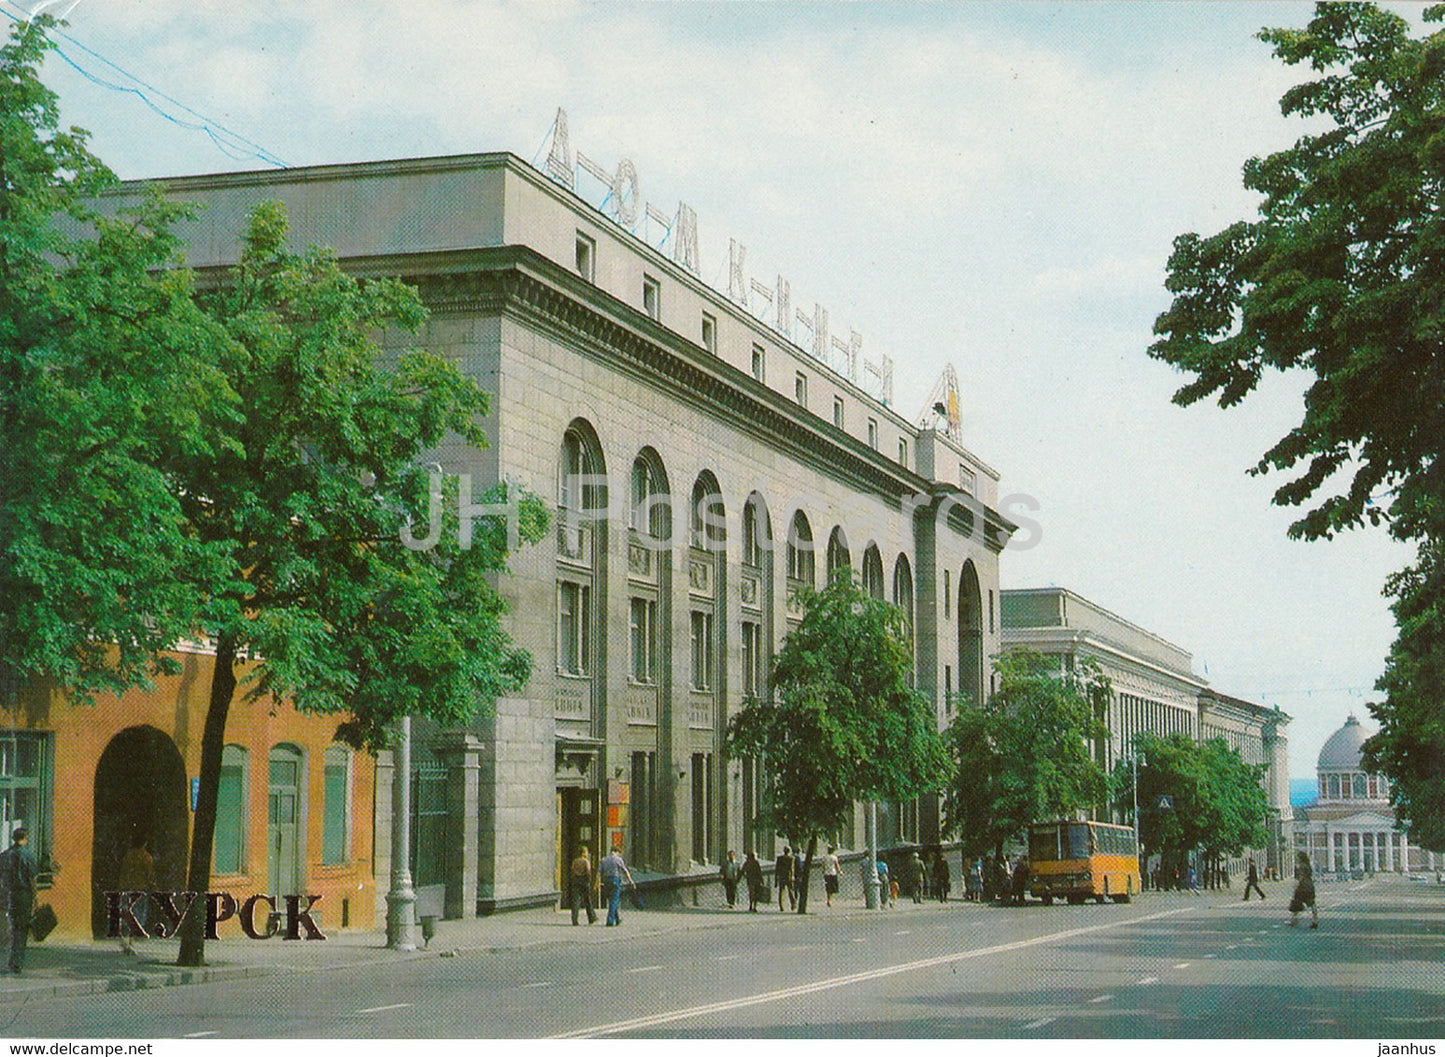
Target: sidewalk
80 967
77 967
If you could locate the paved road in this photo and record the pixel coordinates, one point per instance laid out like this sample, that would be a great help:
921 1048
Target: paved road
1164 966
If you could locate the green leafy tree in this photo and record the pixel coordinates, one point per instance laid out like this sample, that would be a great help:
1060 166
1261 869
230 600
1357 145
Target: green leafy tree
103 376
308 498
1410 746
844 723
1193 795
1342 276
1026 754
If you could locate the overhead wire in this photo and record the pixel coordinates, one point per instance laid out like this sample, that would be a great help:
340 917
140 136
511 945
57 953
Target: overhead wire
228 142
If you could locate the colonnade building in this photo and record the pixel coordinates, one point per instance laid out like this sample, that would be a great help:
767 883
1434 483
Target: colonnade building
703 470
1153 690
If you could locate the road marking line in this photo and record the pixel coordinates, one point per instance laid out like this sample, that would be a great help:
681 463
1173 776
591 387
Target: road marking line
645 969
1183 965
1100 998
1149 980
855 978
860 939
383 1009
726 957
1232 946
199 1034
539 983
1209 956
1039 1023
905 932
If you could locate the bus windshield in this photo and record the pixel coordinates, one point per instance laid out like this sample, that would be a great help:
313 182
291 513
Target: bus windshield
1055 842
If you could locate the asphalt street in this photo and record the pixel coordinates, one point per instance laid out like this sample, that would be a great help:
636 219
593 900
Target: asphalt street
1165 966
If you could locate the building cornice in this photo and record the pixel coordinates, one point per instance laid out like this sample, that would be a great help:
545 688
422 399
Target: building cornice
520 284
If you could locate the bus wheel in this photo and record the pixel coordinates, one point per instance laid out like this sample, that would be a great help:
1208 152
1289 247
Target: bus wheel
1122 897
1048 901
1099 899
1076 901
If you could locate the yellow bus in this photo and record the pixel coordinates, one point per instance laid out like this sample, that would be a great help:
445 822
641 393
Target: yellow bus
1076 860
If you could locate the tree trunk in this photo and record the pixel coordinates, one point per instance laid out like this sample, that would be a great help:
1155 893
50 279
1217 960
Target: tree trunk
203 832
807 869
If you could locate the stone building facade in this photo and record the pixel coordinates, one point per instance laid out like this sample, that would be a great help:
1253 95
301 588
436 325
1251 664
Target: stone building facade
703 470
1155 691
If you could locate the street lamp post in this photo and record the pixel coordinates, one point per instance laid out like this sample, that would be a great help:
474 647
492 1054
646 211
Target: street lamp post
871 883
401 900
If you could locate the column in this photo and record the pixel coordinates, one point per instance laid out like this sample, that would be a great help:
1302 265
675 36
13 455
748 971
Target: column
1404 852
461 751
1330 860
1389 852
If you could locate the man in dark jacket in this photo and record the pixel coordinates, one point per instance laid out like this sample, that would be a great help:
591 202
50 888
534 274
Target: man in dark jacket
18 871
783 878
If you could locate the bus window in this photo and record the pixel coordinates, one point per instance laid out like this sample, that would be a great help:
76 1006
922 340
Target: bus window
1044 844
1079 840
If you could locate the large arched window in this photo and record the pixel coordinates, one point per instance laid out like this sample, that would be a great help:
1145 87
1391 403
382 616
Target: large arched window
800 550
581 473
873 573
970 636
707 514
903 589
757 532
651 512
839 559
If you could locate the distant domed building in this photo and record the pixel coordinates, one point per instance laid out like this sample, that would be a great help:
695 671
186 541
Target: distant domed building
1351 825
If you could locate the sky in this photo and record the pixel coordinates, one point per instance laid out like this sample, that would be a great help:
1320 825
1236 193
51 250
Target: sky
992 186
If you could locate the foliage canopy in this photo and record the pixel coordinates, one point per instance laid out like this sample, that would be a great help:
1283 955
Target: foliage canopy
1025 755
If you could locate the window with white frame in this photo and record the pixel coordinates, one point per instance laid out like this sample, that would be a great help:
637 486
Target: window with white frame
800 389
760 364
838 418
873 433
586 259
574 603
336 807
652 297
644 640
709 333
229 842
702 650
752 658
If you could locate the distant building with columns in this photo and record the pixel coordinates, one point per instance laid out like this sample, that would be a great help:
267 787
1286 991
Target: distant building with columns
1351 826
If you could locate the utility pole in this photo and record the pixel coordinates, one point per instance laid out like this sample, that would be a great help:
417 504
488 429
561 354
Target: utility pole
401 900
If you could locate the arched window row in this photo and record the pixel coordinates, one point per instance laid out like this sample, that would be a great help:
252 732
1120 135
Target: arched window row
653 508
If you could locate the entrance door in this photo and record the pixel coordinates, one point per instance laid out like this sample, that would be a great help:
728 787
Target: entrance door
283 822
579 826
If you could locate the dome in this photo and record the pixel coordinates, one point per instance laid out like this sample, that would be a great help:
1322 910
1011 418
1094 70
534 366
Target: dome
1342 750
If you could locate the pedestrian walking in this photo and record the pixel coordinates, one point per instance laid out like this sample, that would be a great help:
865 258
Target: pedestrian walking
1252 882
581 885
731 871
1304 891
18 873
973 882
613 869
1021 881
942 882
137 874
915 877
798 879
832 873
783 878
753 874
